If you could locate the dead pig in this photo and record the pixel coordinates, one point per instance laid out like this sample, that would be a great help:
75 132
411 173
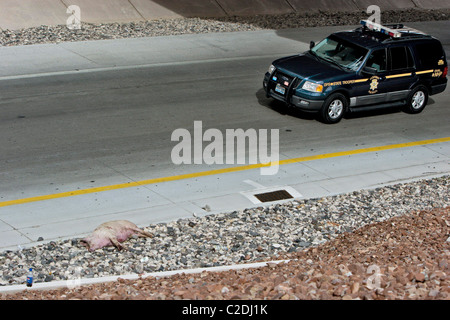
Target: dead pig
112 234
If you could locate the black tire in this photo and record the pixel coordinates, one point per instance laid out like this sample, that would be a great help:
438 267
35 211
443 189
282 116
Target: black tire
417 100
334 108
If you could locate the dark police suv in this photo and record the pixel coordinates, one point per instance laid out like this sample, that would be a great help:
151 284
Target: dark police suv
371 67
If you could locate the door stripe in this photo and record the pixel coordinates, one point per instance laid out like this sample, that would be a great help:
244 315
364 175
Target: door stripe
399 75
425 71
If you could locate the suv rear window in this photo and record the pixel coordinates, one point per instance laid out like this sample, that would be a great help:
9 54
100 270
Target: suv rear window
429 54
401 58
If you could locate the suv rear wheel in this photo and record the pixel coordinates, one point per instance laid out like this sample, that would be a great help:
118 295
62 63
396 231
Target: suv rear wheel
417 99
334 108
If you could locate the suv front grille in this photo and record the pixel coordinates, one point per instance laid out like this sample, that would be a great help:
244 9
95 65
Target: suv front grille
282 78
281 84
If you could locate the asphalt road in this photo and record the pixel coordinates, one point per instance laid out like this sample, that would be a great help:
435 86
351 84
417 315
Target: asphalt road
76 130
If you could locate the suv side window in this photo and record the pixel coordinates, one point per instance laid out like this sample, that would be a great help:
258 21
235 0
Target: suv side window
429 53
401 58
377 60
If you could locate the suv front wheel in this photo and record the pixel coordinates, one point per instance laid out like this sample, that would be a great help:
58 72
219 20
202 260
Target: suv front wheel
334 108
417 99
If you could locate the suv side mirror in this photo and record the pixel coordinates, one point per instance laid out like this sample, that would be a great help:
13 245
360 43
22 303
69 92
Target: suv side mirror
370 70
312 44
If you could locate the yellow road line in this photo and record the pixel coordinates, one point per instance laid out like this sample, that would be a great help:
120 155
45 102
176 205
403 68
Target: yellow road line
220 171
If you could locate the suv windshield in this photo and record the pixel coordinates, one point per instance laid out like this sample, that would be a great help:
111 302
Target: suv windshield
340 52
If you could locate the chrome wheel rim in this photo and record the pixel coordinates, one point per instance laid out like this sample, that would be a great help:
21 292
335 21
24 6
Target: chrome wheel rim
335 109
418 100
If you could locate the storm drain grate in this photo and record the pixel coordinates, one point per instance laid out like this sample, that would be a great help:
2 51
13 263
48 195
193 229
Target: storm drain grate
273 196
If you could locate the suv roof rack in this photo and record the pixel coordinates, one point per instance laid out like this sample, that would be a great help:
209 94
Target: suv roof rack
394 31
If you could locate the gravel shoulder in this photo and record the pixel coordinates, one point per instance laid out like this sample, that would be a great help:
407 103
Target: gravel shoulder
401 258
400 232
166 27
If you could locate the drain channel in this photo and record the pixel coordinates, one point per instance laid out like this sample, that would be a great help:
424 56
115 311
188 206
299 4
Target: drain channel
274 196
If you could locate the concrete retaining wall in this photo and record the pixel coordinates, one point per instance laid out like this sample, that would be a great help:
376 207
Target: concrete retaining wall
17 14
432 4
386 4
252 7
105 11
326 5
154 9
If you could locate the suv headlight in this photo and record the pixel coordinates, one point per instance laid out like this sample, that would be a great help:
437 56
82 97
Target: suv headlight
312 86
271 69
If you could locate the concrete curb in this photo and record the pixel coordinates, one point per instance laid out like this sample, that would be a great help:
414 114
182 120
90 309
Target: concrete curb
73 283
18 14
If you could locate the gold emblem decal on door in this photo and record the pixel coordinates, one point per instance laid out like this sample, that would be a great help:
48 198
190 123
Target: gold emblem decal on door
374 84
